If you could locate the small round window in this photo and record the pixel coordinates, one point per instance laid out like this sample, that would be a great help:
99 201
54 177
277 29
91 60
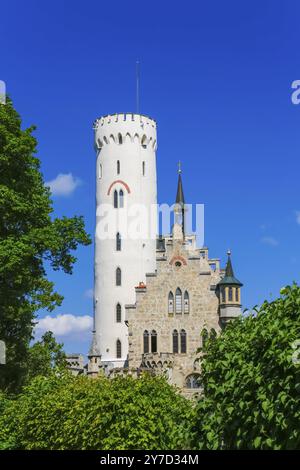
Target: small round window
178 264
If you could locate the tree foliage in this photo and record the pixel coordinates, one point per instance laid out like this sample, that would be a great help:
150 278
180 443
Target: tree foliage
250 381
44 356
29 239
66 412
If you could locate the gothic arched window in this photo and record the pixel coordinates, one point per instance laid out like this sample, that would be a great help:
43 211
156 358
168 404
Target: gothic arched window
193 381
175 342
178 301
118 167
186 302
183 342
118 242
171 303
121 198
153 341
115 199
146 342
119 349
118 313
118 277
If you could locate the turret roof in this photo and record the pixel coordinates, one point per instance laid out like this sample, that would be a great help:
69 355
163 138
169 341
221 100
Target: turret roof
229 278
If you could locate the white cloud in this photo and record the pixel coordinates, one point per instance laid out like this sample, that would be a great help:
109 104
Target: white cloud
64 324
298 217
270 241
63 184
89 293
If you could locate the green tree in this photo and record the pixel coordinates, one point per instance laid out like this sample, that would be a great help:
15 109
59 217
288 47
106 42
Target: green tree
66 412
251 381
30 239
44 356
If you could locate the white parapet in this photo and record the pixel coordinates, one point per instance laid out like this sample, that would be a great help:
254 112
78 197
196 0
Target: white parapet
126 174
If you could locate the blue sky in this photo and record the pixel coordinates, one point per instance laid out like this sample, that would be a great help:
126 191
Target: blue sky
217 78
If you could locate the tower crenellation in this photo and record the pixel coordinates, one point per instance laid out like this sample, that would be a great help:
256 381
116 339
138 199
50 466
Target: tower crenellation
122 128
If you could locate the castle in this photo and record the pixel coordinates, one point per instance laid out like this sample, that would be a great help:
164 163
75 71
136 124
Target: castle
153 295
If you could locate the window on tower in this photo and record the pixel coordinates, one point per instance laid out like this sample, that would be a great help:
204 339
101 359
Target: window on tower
223 294
118 277
118 242
175 342
230 297
186 302
120 139
183 342
153 341
119 349
146 342
118 313
121 198
118 167
115 199
100 171
171 303
144 168
237 294
178 301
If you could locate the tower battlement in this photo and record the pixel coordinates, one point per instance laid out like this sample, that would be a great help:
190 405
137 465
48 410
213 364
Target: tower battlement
125 127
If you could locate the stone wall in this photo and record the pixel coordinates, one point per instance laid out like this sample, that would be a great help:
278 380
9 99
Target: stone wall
190 269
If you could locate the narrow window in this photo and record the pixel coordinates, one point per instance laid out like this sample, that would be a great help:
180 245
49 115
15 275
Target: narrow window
171 303
175 342
118 167
178 300
223 294
121 198
230 294
115 199
118 277
237 294
100 171
119 349
153 341
120 139
118 242
183 342
146 342
144 168
118 313
186 302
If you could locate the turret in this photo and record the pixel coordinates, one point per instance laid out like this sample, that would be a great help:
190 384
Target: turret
125 247
229 291
94 357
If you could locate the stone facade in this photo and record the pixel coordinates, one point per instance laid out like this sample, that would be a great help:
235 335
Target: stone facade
180 265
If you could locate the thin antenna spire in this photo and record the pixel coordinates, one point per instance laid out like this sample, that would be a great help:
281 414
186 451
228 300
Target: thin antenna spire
179 167
137 70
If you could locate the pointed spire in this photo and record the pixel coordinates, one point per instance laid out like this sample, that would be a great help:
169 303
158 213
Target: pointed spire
229 269
229 278
94 350
179 195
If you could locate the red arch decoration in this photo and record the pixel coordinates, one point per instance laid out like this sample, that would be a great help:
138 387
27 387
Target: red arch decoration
120 182
178 258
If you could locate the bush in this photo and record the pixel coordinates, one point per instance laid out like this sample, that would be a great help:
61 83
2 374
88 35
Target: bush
68 412
251 384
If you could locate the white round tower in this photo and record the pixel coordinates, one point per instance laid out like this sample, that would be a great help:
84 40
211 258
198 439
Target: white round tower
125 247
